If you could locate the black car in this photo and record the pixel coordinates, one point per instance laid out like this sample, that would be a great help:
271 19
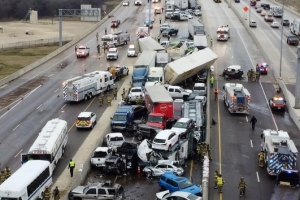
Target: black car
128 152
266 6
175 17
285 22
170 31
146 132
293 40
193 95
114 165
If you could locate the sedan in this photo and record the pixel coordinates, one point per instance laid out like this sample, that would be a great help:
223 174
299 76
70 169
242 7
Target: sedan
169 31
165 140
285 22
275 25
166 195
259 10
262 68
162 167
253 24
197 13
125 3
277 103
263 13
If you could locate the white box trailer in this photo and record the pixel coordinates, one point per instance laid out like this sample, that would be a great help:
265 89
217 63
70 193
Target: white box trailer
200 41
149 44
295 27
188 66
195 27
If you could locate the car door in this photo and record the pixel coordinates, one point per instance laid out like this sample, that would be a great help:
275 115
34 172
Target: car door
103 194
170 168
172 138
177 93
91 194
93 116
161 169
171 92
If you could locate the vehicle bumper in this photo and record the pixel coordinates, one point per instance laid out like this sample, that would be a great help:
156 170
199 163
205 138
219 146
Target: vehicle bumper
111 58
84 126
102 165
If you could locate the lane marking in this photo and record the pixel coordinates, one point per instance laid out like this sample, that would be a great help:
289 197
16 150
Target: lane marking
191 168
39 106
251 143
246 119
50 75
257 177
83 111
63 106
19 153
246 156
16 127
71 76
56 90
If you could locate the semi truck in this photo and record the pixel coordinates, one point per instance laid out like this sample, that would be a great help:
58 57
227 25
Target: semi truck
295 27
156 76
88 85
160 106
195 27
181 4
200 41
277 11
170 5
193 63
236 98
149 44
162 59
141 68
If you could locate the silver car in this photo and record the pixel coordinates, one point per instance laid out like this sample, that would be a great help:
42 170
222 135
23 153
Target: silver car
164 166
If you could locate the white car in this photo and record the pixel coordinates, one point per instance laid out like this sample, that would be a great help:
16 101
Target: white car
86 120
131 52
114 139
83 51
275 25
166 195
112 54
125 3
165 140
134 92
164 166
188 15
164 27
263 13
253 24
138 2
164 43
198 13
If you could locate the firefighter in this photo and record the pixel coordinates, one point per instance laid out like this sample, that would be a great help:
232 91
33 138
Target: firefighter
203 150
105 30
220 182
261 159
5 172
168 37
8 172
115 93
216 175
141 100
208 152
137 100
199 151
108 99
98 48
249 75
47 194
242 187
100 99
252 75
123 91
2 176
216 94
257 76
56 193
158 38
76 47
159 20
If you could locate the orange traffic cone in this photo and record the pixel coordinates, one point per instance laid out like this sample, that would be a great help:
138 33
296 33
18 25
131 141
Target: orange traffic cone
139 170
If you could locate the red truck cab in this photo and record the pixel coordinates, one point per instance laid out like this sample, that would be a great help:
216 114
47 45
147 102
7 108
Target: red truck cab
160 106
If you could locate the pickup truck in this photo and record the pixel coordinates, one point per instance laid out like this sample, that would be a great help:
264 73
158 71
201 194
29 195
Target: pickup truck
112 54
105 190
177 92
170 31
83 51
164 27
293 40
99 156
115 23
118 72
134 91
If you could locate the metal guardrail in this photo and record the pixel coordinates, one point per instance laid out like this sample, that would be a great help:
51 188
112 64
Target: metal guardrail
35 43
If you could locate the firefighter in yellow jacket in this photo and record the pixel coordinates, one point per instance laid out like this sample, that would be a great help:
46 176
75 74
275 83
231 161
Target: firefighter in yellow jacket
242 187
220 182
261 159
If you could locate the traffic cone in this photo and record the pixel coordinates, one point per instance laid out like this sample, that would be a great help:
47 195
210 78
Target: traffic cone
139 170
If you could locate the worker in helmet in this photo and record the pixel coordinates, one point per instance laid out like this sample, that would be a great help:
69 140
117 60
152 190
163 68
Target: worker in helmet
220 182
47 194
242 187
261 159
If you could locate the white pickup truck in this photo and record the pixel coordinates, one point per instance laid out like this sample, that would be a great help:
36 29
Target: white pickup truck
83 51
177 92
99 156
133 93
112 54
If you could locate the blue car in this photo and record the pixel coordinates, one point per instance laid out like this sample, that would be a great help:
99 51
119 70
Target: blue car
172 182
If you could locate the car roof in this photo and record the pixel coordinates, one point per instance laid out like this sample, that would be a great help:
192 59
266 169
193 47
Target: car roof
85 114
184 194
115 134
112 49
164 134
183 119
132 45
173 176
199 84
236 67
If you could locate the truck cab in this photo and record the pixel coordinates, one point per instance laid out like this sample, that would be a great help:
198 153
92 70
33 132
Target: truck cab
122 119
128 152
156 76
223 33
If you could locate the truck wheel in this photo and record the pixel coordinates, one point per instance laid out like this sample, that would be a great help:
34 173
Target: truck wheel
125 42
140 137
127 72
77 198
108 88
169 149
90 95
92 126
85 97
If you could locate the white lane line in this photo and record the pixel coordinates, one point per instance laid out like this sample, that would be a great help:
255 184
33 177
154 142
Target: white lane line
50 75
246 156
39 106
56 90
71 76
19 153
257 177
63 106
246 119
16 127
251 143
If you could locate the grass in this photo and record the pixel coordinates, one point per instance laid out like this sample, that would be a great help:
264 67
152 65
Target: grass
110 5
295 4
14 60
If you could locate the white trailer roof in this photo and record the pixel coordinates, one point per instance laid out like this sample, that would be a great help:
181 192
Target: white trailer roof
145 58
158 94
148 43
188 66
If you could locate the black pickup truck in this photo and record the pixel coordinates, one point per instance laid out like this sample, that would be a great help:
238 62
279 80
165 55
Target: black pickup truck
170 31
293 40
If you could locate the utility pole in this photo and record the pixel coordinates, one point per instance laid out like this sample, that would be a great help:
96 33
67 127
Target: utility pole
149 22
297 92
60 27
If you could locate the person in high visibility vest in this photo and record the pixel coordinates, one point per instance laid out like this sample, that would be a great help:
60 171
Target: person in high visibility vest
242 187
216 175
216 94
220 183
8 172
2 176
47 194
71 167
261 159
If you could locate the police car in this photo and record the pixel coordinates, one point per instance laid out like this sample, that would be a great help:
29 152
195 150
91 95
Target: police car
277 103
262 68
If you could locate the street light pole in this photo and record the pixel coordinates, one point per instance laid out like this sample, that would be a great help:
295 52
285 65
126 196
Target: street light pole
249 12
149 22
280 66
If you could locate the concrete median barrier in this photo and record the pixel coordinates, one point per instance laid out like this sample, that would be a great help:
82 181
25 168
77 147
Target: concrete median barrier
56 52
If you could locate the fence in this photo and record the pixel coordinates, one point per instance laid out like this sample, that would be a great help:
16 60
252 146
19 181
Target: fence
36 43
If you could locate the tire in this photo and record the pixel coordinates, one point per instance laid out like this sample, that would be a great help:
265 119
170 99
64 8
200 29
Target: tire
85 97
117 57
125 42
90 95
77 198
62 151
108 88
169 149
92 126
127 72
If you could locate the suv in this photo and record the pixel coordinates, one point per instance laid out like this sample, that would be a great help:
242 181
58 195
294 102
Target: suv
115 23
177 92
86 120
164 27
293 40
112 54
131 52
106 190
114 139
201 88
133 93
170 31
233 71
170 181
183 126
83 51
285 22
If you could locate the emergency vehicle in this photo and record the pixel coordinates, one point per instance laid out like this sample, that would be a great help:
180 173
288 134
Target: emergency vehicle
88 85
277 103
223 33
50 143
116 39
236 98
280 152
142 32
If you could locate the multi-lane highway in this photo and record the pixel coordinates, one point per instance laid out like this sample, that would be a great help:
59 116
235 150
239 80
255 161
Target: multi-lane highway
234 145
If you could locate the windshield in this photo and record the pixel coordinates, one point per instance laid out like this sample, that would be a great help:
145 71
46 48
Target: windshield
222 32
115 139
152 79
156 140
278 101
180 125
100 154
84 118
181 89
40 157
111 51
185 184
136 90
106 39
137 80
119 118
81 48
131 49
194 94
199 88
156 119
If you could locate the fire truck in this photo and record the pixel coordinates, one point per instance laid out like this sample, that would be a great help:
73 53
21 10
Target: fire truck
223 33
280 152
236 98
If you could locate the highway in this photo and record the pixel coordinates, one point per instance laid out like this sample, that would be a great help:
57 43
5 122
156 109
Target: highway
234 145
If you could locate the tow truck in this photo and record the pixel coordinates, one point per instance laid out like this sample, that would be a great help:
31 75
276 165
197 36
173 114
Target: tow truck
280 152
